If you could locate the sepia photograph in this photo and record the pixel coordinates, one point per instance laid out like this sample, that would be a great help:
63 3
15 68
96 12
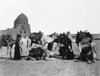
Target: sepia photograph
49 38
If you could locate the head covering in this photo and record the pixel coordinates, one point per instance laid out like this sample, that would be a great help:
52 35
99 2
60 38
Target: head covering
68 32
18 36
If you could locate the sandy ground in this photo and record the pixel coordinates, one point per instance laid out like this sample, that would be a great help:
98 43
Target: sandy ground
55 67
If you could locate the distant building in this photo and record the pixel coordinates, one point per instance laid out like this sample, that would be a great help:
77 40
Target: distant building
21 26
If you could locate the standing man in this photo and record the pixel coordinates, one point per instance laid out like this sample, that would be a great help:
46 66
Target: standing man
17 53
70 39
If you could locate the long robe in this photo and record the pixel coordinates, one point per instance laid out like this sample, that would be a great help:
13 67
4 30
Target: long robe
17 55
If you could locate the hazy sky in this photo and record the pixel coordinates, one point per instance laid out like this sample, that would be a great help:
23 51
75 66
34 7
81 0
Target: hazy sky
53 15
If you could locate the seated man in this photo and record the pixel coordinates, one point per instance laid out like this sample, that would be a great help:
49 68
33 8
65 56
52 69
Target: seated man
37 51
88 53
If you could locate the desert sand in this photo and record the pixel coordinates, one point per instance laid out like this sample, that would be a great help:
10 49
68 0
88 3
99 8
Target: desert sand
54 67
